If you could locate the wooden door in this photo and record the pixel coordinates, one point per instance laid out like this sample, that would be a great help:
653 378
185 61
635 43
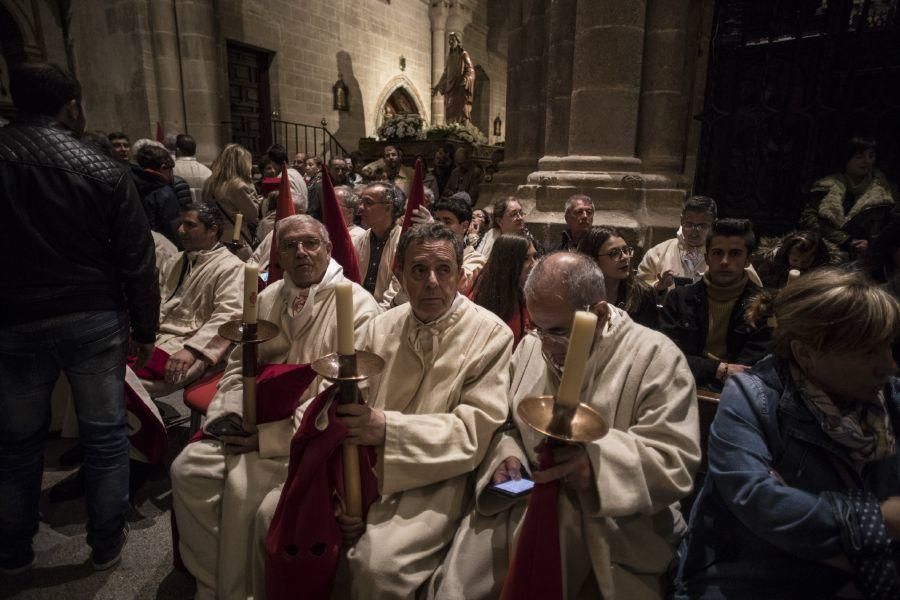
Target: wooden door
248 91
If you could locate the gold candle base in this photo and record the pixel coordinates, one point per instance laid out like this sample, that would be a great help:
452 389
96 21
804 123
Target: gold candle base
577 424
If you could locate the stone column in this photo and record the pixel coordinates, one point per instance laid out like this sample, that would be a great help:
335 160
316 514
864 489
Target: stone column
529 82
662 125
203 71
438 14
165 61
606 85
560 53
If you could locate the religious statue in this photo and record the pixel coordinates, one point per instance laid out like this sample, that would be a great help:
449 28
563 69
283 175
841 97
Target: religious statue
457 84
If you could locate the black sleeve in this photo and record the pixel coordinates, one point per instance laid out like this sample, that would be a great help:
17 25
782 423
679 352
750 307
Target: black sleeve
756 346
670 323
135 257
182 191
647 314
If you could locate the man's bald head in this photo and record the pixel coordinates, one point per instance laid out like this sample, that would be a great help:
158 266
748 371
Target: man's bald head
568 277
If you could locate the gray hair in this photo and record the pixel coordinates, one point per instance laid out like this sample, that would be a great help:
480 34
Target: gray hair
570 203
351 199
393 195
580 277
429 196
292 220
137 145
430 232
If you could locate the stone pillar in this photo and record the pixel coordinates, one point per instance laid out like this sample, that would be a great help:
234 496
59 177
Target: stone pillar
513 73
165 61
662 125
606 85
529 83
560 53
203 71
438 14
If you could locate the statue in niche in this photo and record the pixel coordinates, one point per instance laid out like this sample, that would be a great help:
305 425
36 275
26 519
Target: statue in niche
457 84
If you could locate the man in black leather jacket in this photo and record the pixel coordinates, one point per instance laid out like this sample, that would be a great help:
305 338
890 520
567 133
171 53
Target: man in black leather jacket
79 274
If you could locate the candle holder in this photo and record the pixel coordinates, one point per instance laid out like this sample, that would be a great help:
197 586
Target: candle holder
571 424
233 246
249 336
347 370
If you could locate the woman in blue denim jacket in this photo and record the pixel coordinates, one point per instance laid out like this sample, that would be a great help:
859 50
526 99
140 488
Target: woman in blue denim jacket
802 499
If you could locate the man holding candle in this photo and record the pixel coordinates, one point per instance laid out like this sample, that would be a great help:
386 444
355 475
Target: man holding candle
201 290
618 500
430 416
218 485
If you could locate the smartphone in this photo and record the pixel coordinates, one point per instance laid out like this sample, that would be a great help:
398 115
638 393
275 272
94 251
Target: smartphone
514 487
225 426
679 281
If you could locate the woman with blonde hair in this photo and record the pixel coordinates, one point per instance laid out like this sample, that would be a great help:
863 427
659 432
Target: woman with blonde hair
230 187
802 499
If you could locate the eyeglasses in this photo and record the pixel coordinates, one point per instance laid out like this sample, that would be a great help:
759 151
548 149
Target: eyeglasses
687 225
367 202
515 214
309 244
617 253
558 338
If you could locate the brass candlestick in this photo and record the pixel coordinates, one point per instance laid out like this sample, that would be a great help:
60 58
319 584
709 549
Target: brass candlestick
348 371
249 336
571 424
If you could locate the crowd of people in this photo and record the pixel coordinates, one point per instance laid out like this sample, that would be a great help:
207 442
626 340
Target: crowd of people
141 247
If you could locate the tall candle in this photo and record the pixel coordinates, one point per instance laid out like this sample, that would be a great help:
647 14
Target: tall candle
583 327
238 223
344 298
251 288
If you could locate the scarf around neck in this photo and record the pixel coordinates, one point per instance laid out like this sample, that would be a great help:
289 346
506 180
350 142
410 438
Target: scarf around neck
864 428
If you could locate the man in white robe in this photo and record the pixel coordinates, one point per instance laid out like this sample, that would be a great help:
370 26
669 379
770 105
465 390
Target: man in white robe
201 290
619 520
218 485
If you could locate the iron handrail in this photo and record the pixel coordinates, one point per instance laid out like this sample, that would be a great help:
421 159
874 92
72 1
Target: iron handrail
297 137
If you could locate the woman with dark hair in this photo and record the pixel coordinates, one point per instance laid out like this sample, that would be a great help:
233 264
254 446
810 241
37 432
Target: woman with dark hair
499 287
802 499
607 247
797 251
849 209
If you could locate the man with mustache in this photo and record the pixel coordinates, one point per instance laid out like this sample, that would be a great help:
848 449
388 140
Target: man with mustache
579 218
218 484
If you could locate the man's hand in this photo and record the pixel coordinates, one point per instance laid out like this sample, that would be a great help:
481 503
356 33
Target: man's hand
573 468
509 469
665 280
421 215
241 444
143 352
178 365
890 512
367 425
352 528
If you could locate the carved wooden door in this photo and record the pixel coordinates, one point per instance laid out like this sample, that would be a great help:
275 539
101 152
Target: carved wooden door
248 92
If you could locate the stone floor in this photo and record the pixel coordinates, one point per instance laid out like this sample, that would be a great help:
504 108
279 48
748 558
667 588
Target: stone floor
63 570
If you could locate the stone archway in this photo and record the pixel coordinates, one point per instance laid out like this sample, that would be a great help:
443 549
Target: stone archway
399 95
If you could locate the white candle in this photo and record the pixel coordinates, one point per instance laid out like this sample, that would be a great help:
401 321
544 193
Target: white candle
792 275
583 327
238 223
344 299
251 288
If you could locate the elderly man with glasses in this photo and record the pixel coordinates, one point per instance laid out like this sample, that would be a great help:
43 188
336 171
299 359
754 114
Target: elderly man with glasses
380 207
618 498
682 259
218 484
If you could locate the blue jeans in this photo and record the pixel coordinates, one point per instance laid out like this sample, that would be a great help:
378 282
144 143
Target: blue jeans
89 347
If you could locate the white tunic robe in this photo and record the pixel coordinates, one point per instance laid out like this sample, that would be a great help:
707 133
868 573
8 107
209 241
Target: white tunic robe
216 495
619 536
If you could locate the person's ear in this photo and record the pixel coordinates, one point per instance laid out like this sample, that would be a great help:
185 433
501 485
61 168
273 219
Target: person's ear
601 309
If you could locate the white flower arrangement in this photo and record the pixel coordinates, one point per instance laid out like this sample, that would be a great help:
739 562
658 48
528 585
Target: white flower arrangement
401 127
464 133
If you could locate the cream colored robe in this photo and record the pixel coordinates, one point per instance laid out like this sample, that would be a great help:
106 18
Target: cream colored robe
486 245
443 392
666 256
619 536
263 253
473 262
211 294
386 285
216 495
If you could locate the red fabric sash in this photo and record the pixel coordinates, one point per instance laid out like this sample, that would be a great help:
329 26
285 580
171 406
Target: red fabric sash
155 369
536 567
304 542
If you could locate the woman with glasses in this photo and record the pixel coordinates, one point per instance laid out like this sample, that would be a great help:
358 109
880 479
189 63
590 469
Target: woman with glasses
508 218
608 249
499 287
